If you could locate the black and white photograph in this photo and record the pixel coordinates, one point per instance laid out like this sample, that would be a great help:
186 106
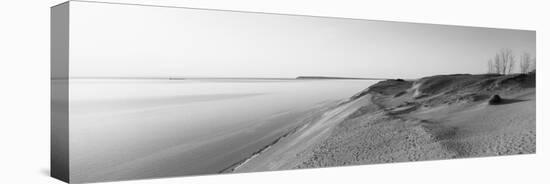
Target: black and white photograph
158 91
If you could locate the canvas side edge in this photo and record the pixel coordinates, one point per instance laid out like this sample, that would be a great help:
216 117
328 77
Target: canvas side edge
59 97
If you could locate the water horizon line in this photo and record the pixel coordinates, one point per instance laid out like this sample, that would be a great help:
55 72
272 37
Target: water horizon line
221 78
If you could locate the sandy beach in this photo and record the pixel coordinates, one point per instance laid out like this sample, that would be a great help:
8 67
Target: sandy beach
432 118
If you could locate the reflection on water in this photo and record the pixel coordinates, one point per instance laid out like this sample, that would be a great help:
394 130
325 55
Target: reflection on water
122 129
119 104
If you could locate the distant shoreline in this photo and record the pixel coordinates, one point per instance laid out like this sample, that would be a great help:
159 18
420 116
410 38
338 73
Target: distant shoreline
225 78
337 78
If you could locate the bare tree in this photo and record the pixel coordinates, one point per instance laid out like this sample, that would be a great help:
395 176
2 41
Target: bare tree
494 65
497 64
490 67
525 62
503 62
508 60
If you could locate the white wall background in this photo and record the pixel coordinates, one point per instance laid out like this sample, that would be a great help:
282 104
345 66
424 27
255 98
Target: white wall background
25 73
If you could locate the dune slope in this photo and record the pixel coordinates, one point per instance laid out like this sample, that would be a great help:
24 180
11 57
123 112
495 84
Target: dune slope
438 117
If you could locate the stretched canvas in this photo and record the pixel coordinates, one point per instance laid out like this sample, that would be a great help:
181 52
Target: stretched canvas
141 91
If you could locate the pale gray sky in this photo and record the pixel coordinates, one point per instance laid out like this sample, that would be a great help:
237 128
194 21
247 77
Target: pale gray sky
109 40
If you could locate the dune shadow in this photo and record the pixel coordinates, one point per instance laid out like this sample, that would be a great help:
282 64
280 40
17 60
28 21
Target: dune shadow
508 101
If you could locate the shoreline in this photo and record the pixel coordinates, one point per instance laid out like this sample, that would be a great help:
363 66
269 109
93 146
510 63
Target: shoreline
262 150
300 139
311 116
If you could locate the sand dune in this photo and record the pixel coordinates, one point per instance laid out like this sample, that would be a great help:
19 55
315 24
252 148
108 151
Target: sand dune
438 117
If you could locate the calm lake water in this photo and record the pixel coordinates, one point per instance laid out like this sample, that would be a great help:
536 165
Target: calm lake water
121 129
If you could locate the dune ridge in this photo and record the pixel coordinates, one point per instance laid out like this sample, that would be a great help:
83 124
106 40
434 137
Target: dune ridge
432 118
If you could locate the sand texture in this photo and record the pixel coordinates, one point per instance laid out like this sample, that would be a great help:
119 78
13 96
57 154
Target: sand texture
437 117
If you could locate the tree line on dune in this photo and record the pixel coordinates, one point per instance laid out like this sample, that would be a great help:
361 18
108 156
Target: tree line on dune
504 62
